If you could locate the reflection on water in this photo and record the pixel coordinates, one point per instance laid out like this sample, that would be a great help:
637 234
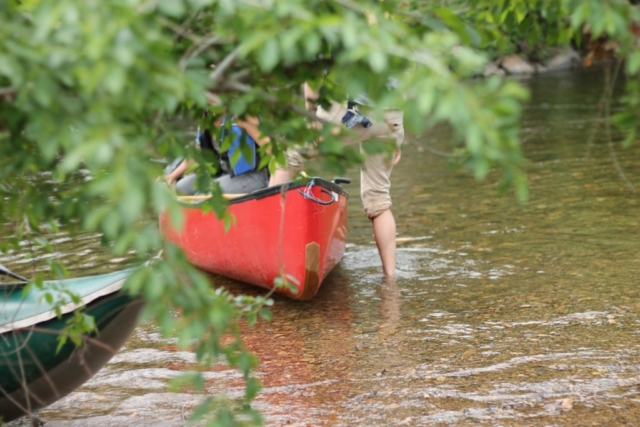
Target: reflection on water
501 314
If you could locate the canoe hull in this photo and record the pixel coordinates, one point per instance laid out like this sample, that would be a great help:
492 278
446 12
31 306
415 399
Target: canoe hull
33 372
298 232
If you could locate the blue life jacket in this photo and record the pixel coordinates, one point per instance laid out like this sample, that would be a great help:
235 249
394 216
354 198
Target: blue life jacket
242 164
240 137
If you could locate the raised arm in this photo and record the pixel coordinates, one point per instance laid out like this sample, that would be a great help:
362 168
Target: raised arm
250 125
310 97
311 103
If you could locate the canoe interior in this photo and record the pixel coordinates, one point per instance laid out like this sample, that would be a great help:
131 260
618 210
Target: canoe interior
20 310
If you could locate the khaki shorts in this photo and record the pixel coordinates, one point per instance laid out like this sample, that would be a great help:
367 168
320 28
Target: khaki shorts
376 173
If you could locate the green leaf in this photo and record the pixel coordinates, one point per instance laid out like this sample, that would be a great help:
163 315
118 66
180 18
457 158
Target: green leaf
246 148
629 138
115 80
11 68
266 314
202 409
172 8
253 387
633 62
268 55
625 120
251 319
312 43
62 340
378 61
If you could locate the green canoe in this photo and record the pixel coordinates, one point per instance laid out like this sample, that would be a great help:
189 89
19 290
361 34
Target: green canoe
32 373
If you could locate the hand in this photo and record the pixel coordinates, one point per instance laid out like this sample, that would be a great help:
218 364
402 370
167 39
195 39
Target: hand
396 157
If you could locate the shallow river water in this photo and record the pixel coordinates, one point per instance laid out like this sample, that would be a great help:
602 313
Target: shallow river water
501 315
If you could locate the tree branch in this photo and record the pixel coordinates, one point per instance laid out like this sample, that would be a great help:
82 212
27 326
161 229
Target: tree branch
224 65
180 32
197 49
238 87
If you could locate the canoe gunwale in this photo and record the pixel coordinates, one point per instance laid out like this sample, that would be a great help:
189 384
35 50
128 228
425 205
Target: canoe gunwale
64 309
282 188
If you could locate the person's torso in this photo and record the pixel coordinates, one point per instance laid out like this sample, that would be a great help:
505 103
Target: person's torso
236 150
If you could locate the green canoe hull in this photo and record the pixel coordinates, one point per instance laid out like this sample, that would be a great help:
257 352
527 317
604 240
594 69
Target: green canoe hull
33 375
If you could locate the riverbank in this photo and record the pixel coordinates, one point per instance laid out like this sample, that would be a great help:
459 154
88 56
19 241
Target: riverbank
561 60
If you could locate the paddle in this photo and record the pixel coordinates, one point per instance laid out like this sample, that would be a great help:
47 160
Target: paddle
4 270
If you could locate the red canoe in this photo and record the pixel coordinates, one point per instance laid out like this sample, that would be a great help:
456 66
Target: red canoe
304 244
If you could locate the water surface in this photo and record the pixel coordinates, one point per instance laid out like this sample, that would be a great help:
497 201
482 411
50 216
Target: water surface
501 315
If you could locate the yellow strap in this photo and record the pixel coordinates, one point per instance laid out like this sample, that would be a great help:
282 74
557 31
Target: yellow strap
208 196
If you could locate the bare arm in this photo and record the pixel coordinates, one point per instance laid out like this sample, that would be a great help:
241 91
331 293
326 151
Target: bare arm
178 172
250 125
396 157
311 102
310 97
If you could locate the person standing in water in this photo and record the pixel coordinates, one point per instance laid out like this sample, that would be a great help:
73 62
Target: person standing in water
375 174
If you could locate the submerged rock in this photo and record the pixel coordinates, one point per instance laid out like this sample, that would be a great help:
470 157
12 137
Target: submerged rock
514 64
563 60
491 69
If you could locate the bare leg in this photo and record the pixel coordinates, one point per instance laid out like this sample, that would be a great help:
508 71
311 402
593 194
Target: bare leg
284 174
280 176
389 303
384 231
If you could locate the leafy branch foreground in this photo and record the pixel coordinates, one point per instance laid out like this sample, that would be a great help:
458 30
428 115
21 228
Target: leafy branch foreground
91 91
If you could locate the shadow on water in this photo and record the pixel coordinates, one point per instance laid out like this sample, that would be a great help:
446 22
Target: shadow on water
500 315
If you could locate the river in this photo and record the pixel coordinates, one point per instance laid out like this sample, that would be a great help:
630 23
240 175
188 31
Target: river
501 315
